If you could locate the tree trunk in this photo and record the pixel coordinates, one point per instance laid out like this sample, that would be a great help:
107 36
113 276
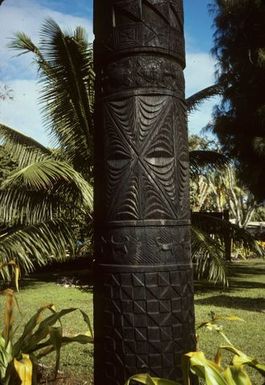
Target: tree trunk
143 300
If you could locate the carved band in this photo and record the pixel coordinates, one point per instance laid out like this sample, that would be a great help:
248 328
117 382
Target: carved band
145 314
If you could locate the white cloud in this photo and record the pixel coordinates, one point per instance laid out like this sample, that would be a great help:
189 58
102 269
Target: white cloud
23 112
28 16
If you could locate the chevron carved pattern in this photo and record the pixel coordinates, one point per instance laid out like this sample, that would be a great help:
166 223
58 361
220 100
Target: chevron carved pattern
141 158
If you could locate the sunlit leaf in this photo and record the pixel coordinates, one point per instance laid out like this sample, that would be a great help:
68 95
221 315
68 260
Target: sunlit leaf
24 369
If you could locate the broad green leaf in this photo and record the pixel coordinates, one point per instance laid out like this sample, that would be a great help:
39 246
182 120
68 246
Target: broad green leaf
206 369
24 369
46 347
239 375
148 380
5 356
87 321
43 329
228 376
29 328
243 359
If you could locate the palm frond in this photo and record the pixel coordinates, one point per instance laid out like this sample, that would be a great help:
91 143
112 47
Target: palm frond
23 43
208 223
36 245
194 100
68 91
23 149
211 160
50 176
65 64
29 207
207 256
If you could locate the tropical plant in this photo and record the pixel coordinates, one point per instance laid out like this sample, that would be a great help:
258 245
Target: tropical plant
7 164
44 193
196 366
239 121
42 335
149 380
212 190
211 371
50 194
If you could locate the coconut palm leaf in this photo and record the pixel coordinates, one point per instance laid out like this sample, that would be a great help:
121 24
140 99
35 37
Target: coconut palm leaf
41 189
210 160
23 149
207 256
194 100
65 98
220 226
29 207
208 251
23 43
67 78
36 245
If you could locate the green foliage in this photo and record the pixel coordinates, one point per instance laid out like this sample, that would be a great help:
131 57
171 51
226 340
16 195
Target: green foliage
7 164
239 121
148 380
49 196
214 187
42 335
66 74
211 372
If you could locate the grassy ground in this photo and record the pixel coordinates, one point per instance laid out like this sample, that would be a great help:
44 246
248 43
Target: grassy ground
76 360
244 298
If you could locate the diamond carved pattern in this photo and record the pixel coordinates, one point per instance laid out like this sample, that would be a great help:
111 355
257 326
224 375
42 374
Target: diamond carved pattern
146 320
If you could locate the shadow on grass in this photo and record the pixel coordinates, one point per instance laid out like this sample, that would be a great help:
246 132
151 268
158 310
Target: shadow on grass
233 302
239 270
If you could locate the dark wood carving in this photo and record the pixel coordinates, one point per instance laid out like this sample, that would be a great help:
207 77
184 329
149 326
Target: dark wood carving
143 301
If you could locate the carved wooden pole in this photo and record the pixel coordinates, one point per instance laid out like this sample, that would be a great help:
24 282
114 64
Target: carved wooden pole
143 303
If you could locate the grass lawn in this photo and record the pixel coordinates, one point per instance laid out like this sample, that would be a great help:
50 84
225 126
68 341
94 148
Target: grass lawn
244 298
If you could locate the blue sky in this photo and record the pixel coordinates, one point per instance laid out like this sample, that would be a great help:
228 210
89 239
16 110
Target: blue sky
23 112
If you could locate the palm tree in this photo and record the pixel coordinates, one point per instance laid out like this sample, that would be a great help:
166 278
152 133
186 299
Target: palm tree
50 192
53 188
